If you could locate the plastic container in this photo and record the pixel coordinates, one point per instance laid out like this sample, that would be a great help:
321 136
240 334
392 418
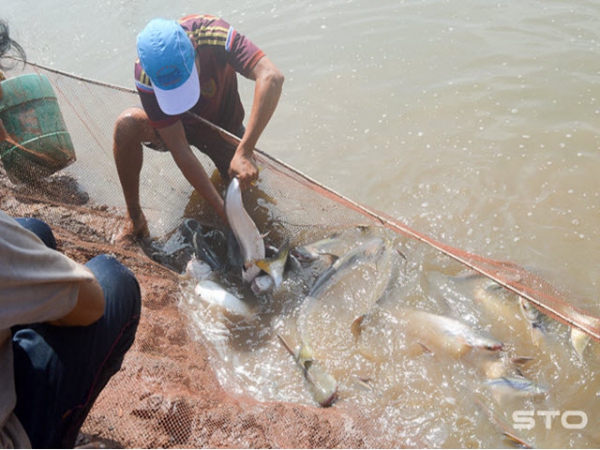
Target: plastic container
39 143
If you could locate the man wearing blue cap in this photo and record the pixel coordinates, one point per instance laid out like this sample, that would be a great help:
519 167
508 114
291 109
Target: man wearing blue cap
185 69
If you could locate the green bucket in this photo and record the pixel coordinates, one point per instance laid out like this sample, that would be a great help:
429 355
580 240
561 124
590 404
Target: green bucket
41 144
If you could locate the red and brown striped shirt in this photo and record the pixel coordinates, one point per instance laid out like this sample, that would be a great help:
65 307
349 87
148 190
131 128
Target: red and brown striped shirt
222 52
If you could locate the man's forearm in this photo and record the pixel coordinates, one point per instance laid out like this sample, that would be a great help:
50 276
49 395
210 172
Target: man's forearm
267 91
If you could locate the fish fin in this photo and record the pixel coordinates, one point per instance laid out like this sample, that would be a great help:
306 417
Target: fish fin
264 264
287 346
356 326
521 359
516 440
364 382
417 349
537 335
401 254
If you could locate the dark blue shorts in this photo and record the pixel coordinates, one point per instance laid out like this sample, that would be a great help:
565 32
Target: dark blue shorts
60 371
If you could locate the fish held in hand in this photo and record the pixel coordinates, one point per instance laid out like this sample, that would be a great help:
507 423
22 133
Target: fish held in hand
245 231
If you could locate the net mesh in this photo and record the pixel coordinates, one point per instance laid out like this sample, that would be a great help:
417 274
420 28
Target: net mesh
167 394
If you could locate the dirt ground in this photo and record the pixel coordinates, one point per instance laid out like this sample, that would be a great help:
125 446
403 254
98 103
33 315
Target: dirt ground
167 394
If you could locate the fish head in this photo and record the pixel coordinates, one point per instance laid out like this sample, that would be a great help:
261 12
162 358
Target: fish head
197 270
262 285
303 254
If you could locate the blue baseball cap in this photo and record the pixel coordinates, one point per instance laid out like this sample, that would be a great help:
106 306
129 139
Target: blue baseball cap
168 58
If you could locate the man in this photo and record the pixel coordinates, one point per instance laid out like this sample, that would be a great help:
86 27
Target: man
7 45
187 69
64 328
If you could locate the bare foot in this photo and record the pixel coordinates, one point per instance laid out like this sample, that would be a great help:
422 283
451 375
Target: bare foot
133 232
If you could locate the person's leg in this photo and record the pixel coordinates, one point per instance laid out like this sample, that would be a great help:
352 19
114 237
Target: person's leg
40 228
132 128
60 371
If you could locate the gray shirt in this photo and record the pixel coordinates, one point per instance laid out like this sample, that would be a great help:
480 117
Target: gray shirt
37 284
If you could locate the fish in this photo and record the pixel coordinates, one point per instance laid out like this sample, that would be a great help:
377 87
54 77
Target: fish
197 270
275 266
321 384
262 284
579 341
370 250
214 294
245 231
516 386
192 231
313 251
445 333
535 319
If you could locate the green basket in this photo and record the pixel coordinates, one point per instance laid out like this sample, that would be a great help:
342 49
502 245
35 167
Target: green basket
41 144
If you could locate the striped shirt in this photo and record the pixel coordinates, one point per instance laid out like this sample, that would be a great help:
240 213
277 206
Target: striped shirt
222 52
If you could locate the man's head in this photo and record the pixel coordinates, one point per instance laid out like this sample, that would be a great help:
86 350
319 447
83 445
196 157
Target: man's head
168 58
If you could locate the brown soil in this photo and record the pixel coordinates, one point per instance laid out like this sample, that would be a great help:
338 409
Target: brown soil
167 394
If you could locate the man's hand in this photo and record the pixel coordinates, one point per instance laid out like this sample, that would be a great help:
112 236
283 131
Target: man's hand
89 307
244 168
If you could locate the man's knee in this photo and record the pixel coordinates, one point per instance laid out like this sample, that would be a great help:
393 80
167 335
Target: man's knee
40 228
116 279
132 125
133 128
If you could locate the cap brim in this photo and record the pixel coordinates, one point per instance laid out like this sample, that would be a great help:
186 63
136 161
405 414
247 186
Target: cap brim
181 99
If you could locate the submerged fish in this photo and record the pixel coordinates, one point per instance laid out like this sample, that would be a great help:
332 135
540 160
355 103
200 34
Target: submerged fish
322 385
214 294
275 266
579 341
535 319
516 386
370 250
249 239
192 231
197 270
445 333
313 251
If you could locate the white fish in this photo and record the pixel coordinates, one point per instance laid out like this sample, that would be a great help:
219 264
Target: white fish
197 270
516 386
244 229
214 294
445 333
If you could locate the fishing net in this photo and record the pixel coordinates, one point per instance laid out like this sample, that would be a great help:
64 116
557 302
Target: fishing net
167 393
